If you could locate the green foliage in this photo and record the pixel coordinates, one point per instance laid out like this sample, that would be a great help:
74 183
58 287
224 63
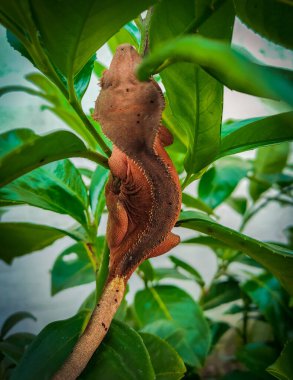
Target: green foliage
165 333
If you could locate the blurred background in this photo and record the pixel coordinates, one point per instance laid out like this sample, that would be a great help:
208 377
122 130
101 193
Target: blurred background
25 285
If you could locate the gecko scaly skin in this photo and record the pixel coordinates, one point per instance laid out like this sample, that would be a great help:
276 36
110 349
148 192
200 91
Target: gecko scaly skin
143 193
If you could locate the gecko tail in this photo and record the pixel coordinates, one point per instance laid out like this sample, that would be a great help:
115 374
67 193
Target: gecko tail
95 331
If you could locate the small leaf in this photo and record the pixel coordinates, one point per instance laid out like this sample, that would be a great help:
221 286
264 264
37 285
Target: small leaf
99 68
282 369
276 259
82 79
34 151
196 203
57 186
218 329
218 183
18 239
15 345
189 269
220 293
170 313
239 204
97 192
13 319
166 362
163 273
71 268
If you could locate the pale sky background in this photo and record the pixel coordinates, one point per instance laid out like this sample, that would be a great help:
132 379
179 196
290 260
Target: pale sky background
25 285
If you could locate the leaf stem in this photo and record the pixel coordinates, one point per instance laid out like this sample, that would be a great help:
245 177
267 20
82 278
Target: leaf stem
161 304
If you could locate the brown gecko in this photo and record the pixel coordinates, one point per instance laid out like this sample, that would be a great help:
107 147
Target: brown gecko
143 193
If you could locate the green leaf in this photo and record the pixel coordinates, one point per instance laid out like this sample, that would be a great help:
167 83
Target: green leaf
239 204
122 37
189 269
251 133
18 239
196 203
221 292
41 361
18 46
99 68
34 151
276 259
218 183
71 268
82 79
146 271
122 355
257 357
163 273
271 19
197 112
174 316
269 161
265 291
13 319
80 29
15 345
282 369
166 362
218 329
230 66
57 186
97 192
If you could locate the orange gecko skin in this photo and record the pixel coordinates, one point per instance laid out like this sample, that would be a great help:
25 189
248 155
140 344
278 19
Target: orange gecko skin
143 193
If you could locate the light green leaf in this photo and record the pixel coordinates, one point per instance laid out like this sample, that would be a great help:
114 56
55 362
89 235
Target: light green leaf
18 239
13 319
282 369
122 37
170 313
270 161
271 19
197 112
188 268
265 291
233 68
218 183
251 133
99 68
57 186
276 259
196 203
97 192
71 268
166 362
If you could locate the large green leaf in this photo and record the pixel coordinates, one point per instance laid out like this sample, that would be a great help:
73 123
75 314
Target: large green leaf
268 164
97 192
220 292
266 292
22 151
197 112
271 19
57 186
218 183
122 356
229 65
71 268
282 369
248 134
276 259
13 319
166 362
172 314
81 29
18 239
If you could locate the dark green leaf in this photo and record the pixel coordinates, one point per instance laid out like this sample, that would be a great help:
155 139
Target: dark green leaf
166 362
276 259
240 375
49 350
197 112
269 160
282 369
257 357
164 273
122 37
174 316
189 269
97 192
239 204
219 293
207 241
17 45
15 345
11 351
71 268
57 186
13 319
266 292
196 203
218 329
121 356
81 29
18 239
233 68
251 133
218 183
147 271
34 151
271 19
82 79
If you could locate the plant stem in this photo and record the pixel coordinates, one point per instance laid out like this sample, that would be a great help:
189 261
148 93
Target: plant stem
144 42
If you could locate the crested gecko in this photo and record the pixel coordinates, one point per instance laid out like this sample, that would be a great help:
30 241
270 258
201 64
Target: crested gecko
143 192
